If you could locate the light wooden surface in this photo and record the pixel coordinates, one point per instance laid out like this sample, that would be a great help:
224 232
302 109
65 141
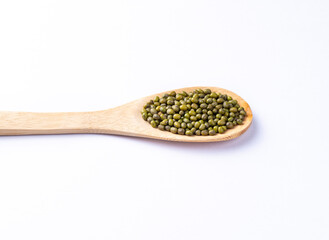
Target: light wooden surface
123 120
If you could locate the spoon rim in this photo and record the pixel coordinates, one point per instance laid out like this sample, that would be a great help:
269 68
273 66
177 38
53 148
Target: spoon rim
155 133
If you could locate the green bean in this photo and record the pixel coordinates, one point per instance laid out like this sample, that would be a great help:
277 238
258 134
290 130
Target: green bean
200 112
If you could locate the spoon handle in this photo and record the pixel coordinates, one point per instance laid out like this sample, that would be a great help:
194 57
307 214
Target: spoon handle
28 123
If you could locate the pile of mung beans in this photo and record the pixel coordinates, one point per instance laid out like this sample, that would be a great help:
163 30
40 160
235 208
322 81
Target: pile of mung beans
201 112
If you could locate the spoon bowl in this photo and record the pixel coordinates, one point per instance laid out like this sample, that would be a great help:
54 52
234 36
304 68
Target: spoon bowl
123 120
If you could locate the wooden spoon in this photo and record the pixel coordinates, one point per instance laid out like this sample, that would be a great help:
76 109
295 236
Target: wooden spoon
123 120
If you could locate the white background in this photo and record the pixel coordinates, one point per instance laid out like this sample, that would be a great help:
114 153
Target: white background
270 183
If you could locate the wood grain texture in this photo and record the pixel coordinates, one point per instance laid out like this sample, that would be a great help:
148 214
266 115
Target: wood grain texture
123 120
